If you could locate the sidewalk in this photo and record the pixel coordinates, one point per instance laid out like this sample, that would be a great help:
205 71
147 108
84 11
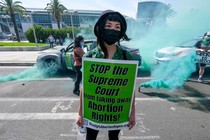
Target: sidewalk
22 58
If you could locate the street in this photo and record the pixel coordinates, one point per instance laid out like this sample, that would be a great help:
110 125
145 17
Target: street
46 109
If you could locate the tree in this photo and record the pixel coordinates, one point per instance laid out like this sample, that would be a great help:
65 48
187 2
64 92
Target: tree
167 12
10 7
57 9
40 33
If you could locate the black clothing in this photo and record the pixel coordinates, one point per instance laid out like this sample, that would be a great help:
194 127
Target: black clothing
78 78
92 134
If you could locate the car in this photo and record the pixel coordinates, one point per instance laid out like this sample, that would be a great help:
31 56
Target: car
169 53
172 52
59 60
63 60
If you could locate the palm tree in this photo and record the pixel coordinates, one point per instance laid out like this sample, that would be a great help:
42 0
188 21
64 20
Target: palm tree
57 9
167 12
10 7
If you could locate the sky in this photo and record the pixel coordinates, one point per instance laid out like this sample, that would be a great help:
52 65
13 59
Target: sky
126 7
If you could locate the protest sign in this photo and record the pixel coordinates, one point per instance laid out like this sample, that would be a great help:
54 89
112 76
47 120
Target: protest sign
108 90
203 57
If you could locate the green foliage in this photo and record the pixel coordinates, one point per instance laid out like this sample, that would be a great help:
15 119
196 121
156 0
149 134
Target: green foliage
29 35
56 9
48 31
42 34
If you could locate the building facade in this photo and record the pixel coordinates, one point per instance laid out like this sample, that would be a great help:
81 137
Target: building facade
150 13
35 16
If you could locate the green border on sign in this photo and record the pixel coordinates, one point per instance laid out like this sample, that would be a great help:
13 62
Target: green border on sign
108 88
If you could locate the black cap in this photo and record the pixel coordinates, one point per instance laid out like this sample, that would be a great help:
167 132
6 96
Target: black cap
79 38
103 16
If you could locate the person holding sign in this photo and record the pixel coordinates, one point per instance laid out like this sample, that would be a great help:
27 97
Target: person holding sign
203 46
77 54
109 29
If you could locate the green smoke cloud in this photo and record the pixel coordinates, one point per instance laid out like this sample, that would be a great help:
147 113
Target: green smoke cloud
190 21
172 74
32 73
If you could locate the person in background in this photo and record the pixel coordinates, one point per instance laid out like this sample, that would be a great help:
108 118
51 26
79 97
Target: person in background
57 41
61 41
203 45
78 54
13 37
109 29
51 40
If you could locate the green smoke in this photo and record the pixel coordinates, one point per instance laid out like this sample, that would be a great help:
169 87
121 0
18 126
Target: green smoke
172 74
190 21
38 71
32 73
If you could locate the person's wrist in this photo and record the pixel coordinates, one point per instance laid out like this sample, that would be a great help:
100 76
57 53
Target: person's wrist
80 114
133 112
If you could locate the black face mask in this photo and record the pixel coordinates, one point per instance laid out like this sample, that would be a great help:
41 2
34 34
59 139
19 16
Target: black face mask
111 36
